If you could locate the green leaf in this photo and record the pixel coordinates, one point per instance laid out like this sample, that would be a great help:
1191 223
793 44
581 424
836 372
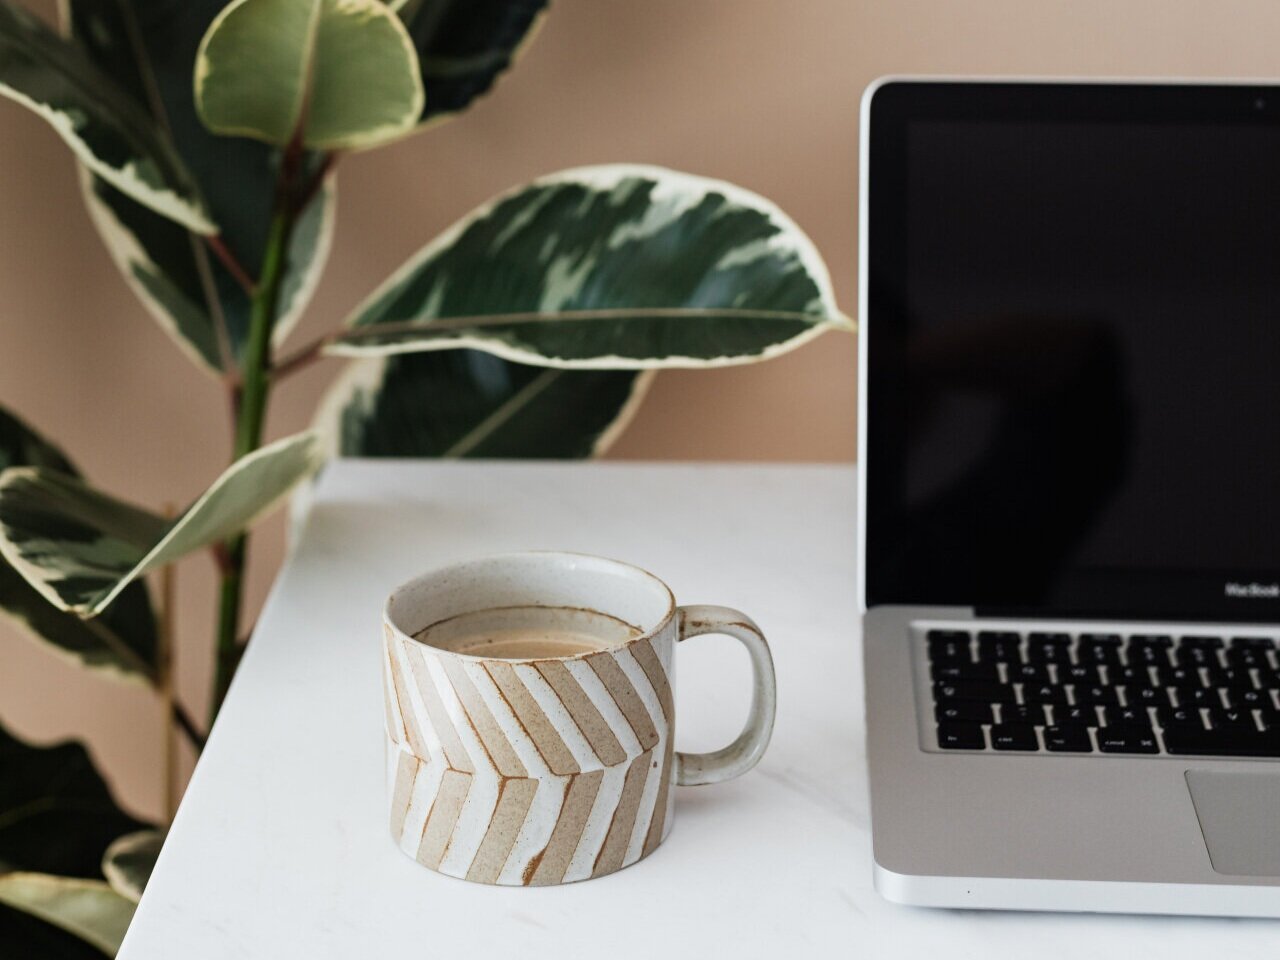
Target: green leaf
100 123
129 860
80 548
123 641
21 446
148 47
463 45
90 909
342 73
120 643
608 268
464 403
57 820
56 814
25 936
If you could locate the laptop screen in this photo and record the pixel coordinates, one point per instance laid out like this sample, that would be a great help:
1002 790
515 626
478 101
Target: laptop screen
1073 329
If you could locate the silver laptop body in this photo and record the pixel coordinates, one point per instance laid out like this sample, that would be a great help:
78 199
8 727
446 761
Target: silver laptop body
1117 821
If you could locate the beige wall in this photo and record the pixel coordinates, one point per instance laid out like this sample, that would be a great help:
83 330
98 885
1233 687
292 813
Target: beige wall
761 92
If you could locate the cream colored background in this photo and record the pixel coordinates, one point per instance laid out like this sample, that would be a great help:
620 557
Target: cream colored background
761 92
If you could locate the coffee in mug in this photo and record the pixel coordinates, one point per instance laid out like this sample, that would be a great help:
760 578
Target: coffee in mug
528 633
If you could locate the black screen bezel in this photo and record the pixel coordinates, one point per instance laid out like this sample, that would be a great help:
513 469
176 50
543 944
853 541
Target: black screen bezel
1123 594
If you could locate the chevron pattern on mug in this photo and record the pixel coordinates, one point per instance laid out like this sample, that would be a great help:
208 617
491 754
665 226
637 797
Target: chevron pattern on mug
528 772
530 715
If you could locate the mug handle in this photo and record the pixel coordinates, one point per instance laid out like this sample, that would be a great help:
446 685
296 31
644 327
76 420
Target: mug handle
745 752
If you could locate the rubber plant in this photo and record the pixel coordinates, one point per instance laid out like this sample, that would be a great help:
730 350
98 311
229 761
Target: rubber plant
208 139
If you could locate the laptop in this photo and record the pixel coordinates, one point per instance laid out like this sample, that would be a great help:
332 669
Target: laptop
1070 494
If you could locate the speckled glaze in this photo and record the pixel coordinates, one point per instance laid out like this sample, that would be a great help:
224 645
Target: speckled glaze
544 771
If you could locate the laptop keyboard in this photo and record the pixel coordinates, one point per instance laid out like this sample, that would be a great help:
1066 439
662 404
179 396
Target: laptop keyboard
1105 692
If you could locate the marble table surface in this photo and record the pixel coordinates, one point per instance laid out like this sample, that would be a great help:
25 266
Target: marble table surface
281 848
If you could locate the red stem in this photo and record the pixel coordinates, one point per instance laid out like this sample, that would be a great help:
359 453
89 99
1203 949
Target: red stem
312 186
301 358
221 558
229 261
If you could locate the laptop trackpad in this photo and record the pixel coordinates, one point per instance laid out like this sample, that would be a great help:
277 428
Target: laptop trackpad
1239 816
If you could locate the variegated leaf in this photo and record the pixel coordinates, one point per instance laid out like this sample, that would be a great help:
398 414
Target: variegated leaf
121 642
342 74
88 909
464 45
464 403
56 814
98 120
27 936
615 267
129 860
57 819
148 47
81 548
21 446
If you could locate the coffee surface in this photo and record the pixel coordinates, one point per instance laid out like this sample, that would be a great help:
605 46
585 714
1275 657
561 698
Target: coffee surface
528 633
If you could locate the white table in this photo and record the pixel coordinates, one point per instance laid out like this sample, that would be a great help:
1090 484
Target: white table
281 848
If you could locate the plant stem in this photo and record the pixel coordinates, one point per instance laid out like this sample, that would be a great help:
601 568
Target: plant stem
164 667
223 253
307 355
227 653
251 412
188 726
262 321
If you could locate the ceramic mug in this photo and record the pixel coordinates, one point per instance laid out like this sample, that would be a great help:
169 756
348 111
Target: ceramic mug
528 772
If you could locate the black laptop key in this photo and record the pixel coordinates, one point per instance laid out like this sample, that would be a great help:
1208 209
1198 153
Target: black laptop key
1185 656
1048 653
1221 743
1152 640
1197 696
1247 699
1127 740
1144 655
949 648
1178 677
1095 694
1138 676
1037 673
1147 696
963 670
999 646
1171 716
1102 639
1252 643
1022 713
973 690
960 736
998 636
1102 654
1043 639
1079 673
1240 721
1068 738
1230 678
1247 657
1043 693
1075 716
963 711
1014 736
1203 642
1126 717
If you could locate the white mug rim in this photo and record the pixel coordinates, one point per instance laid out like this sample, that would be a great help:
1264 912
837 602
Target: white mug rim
630 569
